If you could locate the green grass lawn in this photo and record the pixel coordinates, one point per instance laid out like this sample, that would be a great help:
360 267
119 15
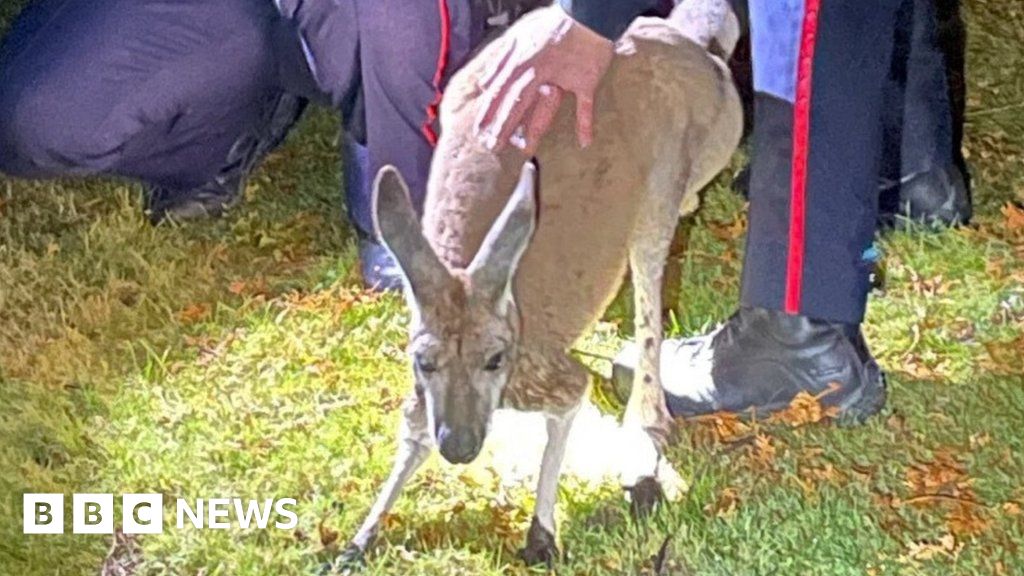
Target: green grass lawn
239 357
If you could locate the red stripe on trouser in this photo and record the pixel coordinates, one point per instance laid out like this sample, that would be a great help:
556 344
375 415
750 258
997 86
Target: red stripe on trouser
801 144
442 64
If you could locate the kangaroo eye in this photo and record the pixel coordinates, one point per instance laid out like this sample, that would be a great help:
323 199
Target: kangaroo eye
495 362
424 365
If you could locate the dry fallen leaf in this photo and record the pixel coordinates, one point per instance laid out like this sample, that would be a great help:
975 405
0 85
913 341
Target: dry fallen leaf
945 546
944 476
328 536
729 428
980 440
929 287
943 483
919 369
897 423
720 428
507 521
194 313
726 503
827 473
248 287
611 563
334 301
1005 358
764 452
1013 220
731 230
391 521
806 409
967 520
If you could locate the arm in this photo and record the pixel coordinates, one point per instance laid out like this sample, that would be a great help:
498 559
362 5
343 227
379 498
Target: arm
549 54
546 55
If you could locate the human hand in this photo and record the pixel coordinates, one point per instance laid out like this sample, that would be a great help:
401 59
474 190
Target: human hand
545 56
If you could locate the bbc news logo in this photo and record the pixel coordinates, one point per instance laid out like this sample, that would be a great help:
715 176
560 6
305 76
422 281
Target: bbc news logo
144 513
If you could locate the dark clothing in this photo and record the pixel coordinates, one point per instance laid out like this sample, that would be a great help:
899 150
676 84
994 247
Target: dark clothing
610 19
836 108
384 63
153 90
915 136
159 91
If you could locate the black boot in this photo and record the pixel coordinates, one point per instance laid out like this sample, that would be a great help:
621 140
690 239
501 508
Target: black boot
939 196
211 200
380 271
759 360
217 196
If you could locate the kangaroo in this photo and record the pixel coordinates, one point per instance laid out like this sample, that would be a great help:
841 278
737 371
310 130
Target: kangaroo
515 259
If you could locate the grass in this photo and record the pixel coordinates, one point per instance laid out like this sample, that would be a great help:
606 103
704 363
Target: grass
239 357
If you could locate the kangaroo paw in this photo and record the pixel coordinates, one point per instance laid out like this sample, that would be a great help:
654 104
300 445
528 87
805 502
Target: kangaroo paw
350 561
644 497
540 547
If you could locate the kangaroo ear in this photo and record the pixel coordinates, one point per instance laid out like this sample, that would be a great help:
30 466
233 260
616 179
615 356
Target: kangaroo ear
399 228
495 263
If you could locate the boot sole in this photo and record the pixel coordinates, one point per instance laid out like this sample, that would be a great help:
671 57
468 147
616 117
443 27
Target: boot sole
864 402
855 406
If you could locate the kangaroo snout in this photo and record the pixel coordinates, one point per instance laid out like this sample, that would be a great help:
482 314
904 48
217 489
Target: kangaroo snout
459 445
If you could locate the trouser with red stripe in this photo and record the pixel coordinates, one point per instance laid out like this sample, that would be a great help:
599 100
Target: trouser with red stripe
820 73
384 63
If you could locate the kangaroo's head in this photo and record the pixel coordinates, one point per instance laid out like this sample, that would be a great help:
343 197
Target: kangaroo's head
464 334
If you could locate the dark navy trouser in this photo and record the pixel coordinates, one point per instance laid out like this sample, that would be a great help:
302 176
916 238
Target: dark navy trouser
159 90
385 63
153 90
832 78
919 131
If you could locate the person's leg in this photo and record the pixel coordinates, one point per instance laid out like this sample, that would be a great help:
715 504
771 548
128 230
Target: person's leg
923 173
330 39
819 72
154 91
952 42
819 76
403 82
401 87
